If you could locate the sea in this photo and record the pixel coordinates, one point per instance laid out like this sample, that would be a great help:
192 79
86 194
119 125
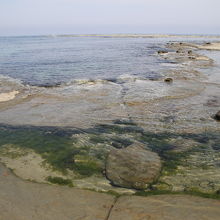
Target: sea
54 60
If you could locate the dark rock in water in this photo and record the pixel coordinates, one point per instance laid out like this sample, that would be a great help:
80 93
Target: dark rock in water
217 116
162 51
133 167
168 80
48 85
192 58
208 43
190 52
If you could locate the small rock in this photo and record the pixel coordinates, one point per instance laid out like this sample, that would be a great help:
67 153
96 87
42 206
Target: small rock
133 167
162 51
168 80
217 116
192 58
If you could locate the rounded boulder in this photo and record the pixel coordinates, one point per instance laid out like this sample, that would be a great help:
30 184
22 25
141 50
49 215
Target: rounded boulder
133 167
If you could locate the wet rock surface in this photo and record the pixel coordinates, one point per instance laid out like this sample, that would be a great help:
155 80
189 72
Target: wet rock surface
199 171
132 167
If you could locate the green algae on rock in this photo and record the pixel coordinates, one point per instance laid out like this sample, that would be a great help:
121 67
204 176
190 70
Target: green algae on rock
80 155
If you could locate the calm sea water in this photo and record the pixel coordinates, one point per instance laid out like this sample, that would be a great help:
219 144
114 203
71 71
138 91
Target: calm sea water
45 60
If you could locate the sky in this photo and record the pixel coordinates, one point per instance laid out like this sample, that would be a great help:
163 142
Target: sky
37 17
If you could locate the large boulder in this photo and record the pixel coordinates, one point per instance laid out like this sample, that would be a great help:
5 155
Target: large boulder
133 167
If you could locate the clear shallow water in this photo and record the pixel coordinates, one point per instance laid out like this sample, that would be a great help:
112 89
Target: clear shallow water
52 60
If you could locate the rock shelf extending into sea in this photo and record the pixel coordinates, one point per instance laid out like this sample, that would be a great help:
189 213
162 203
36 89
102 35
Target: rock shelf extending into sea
116 143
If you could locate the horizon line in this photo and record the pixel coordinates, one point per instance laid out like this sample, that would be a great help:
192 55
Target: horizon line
154 35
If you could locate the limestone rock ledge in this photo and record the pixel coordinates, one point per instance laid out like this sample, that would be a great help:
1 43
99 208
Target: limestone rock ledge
23 200
165 207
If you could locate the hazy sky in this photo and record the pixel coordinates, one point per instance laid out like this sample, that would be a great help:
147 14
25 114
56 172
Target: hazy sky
30 17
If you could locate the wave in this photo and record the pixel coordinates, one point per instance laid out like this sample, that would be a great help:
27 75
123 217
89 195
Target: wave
8 83
121 79
10 79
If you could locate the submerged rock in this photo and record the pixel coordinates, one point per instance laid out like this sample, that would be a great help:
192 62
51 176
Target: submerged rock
132 167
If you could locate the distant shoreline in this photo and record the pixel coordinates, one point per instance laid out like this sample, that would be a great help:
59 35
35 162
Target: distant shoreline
138 35
123 35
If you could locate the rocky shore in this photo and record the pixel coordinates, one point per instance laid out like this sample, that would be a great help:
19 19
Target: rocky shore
128 136
23 200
